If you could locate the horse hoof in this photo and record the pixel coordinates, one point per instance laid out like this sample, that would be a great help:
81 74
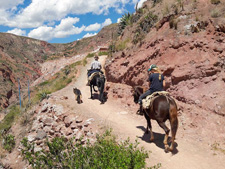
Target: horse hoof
151 139
167 149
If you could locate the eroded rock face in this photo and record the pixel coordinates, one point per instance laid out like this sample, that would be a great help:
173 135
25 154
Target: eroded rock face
193 67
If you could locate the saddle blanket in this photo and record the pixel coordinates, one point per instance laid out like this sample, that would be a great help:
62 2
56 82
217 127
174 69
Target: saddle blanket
93 75
147 102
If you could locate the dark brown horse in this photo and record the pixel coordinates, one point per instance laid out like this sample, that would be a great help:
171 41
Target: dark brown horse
99 81
163 108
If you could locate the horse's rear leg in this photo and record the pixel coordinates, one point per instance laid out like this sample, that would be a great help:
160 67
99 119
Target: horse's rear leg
166 129
174 126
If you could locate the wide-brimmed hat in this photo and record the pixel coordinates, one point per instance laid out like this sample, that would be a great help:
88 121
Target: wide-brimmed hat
152 67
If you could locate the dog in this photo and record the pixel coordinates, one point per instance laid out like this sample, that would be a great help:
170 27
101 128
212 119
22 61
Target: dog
78 95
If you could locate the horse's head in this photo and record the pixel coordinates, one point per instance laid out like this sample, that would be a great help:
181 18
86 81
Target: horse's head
137 91
100 81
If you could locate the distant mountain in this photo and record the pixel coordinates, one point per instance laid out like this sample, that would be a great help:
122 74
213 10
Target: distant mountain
20 57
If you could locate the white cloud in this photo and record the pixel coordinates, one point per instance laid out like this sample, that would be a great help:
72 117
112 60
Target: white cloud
17 31
43 11
42 33
140 3
93 27
64 29
107 22
89 35
97 26
118 20
7 4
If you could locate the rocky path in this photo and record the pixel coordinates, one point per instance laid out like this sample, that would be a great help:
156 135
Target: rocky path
189 153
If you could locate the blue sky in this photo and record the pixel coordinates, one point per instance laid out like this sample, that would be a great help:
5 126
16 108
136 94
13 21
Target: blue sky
61 21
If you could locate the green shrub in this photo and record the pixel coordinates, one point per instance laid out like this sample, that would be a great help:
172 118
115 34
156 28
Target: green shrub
9 142
90 55
102 53
148 22
125 21
44 83
104 153
43 95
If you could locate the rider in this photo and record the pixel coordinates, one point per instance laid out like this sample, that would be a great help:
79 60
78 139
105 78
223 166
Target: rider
156 82
95 67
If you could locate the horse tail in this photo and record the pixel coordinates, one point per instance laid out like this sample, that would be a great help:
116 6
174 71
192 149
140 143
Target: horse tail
173 118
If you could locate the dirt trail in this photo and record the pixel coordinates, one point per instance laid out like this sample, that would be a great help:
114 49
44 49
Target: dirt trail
189 153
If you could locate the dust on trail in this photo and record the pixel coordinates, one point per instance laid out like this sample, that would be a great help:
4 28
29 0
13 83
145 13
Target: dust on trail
189 153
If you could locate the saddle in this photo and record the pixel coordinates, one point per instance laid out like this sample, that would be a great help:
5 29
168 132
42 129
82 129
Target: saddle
147 102
94 74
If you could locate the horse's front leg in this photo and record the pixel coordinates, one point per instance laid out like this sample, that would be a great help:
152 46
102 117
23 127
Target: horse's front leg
149 125
167 131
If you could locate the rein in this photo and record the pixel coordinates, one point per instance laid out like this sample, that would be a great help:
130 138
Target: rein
138 91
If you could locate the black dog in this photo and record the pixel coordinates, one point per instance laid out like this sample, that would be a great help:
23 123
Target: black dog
78 95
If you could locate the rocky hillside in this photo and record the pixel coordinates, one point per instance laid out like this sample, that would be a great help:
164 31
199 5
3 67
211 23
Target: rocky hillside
186 40
20 57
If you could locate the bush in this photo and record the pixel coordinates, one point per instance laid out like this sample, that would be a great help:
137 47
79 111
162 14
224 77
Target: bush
9 142
90 55
43 95
125 21
102 53
104 153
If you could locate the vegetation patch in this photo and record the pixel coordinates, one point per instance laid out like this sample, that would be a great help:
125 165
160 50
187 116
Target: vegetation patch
215 13
145 25
216 147
102 53
9 142
104 153
7 122
121 45
125 21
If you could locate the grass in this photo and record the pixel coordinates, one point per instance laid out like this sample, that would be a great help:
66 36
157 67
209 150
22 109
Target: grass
121 45
216 147
215 13
7 122
104 153
102 53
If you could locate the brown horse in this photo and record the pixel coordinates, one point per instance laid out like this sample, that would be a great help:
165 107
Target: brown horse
163 108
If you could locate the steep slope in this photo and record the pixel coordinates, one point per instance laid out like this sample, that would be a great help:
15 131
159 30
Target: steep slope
187 41
20 58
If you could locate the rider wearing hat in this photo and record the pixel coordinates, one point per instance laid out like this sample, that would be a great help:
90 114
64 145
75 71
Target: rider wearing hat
156 82
95 67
